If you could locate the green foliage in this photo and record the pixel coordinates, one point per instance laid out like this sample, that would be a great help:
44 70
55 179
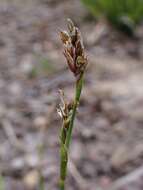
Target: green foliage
123 14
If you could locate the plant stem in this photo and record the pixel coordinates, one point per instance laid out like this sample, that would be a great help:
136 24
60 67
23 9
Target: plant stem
65 146
41 183
62 185
76 102
2 185
63 166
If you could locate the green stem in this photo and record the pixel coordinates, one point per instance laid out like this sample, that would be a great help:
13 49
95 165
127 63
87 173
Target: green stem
65 146
66 142
63 166
41 183
62 184
76 102
2 185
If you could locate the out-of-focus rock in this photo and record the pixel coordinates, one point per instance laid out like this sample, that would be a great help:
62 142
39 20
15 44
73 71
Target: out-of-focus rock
125 154
26 65
31 179
40 122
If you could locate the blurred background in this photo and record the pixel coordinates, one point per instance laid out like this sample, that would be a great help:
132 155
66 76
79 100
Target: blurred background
107 146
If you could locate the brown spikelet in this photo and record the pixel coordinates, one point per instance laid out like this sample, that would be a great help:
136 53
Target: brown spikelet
73 49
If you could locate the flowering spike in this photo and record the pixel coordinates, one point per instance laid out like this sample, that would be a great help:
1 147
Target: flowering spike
64 36
77 62
70 24
73 49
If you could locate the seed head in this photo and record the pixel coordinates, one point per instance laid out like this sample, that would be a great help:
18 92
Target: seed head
65 107
73 49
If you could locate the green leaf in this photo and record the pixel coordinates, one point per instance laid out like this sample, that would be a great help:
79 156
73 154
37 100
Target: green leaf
116 10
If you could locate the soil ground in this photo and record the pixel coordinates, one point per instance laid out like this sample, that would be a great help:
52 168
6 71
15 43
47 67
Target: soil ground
107 145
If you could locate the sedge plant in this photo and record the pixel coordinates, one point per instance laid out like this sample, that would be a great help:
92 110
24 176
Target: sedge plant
77 61
123 14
